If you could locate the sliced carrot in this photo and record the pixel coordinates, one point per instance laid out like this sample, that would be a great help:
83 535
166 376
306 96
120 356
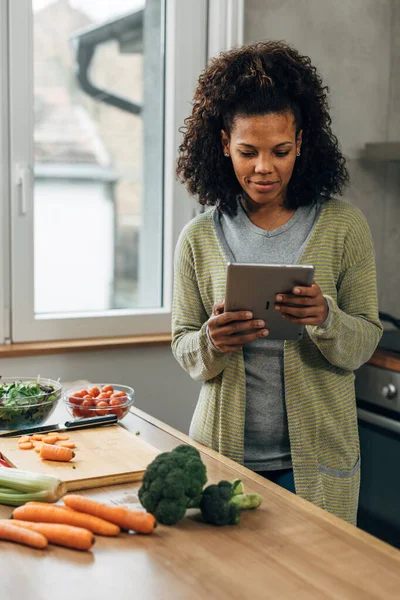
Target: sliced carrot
63 436
38 448
37 436
23 439
126 518
25 445
40 512
49 439
67 445
13 533
62 535
52 452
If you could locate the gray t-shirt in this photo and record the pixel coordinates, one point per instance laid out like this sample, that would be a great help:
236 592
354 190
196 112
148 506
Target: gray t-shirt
266 437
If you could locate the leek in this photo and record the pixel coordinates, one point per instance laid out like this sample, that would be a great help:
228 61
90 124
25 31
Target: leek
18 487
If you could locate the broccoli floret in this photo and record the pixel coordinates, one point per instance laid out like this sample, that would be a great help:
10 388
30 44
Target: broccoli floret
221 503
172 483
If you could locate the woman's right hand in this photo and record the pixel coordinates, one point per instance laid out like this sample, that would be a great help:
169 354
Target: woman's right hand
226 329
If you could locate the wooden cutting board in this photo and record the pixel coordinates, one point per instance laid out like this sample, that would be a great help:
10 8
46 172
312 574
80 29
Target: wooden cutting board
103 456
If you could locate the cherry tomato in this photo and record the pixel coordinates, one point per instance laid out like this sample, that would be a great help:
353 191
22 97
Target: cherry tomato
121 394
89 403
102 408
107 388
75 400
77 412
94 391
116 401
102 397
117 411
104 400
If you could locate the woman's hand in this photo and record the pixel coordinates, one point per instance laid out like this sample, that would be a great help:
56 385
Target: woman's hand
306 305
227 329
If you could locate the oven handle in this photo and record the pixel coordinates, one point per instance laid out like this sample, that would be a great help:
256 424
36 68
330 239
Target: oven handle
384 422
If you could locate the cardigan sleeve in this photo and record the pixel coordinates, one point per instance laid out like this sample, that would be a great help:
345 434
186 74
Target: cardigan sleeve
191 345
354 329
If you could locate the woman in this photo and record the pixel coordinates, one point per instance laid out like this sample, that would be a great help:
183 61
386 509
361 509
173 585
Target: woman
259 149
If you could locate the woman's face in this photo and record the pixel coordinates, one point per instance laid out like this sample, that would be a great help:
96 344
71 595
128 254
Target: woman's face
263 152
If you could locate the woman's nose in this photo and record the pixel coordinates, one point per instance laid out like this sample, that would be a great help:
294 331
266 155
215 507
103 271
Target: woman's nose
263 165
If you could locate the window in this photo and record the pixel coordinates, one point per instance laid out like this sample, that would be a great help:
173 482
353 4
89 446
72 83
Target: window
93 94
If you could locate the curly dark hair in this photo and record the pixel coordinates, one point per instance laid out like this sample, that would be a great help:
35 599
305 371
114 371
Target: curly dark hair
267 77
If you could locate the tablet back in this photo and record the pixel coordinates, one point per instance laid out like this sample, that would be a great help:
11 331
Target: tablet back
254 287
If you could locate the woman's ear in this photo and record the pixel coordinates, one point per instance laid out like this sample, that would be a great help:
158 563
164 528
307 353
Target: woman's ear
299 140
225 143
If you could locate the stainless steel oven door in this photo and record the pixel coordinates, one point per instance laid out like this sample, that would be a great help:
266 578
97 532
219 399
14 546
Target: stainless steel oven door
379 507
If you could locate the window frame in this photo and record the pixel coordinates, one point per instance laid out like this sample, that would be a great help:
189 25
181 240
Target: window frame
198 25
186 22
5 295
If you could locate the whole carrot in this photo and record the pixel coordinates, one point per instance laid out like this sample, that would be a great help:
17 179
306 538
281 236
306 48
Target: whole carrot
62 535
126 518
51 452
12 533
39 512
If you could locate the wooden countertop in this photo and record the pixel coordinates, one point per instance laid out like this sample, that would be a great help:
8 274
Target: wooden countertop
386 360
286 549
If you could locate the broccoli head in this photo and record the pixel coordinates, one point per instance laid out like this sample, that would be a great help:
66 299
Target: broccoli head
172 483
221 503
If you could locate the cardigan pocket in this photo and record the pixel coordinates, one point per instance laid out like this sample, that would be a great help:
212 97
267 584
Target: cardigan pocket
339 472
340 490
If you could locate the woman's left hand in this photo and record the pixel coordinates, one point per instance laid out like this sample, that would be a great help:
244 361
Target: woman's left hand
307 306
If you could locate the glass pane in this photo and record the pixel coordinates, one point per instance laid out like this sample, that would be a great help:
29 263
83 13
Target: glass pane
98 154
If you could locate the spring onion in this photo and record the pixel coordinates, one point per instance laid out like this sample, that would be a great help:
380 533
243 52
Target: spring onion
18 487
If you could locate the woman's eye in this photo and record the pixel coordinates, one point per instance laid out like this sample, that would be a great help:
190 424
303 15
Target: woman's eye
245 153
282 153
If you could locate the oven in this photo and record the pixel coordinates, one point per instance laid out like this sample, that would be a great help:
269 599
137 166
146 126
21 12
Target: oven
378 408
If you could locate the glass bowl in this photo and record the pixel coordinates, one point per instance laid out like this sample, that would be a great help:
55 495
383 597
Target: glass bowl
27 401
99 399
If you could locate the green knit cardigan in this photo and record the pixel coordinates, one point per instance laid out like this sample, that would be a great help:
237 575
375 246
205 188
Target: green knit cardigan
318 370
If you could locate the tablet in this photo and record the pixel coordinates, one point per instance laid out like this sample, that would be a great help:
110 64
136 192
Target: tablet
254 287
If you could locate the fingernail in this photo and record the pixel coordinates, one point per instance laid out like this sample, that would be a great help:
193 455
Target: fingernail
296 291
279 298
277 308
266 332
248 315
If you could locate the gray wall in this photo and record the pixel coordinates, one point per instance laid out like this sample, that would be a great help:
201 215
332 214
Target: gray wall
356 46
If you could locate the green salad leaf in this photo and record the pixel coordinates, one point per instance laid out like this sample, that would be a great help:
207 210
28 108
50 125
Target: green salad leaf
25 403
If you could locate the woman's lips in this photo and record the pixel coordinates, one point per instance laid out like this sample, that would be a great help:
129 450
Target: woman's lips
264 187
